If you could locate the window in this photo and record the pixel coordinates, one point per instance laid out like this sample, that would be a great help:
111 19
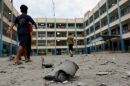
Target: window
50 25
60 25
96 15
71 25
113 16
103 9
41 25
79 25
125 10
126 28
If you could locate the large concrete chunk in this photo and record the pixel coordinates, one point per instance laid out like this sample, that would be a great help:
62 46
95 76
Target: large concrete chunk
63 71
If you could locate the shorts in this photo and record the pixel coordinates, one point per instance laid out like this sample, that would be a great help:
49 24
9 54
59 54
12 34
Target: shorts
71 47
23 37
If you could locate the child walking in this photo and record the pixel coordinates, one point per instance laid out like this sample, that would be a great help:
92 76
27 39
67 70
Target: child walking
22 30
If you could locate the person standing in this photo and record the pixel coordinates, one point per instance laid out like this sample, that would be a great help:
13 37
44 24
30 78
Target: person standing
29 41
22 30
70 40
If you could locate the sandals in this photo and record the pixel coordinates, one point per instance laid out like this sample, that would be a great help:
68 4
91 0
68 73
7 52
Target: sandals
26 61
18 63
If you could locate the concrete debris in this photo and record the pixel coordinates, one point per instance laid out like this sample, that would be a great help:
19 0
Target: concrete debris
3 71
81 84
128 73
108 62
64 82
21 67
63 71
91 72
11 57
103 84
102 73
47 65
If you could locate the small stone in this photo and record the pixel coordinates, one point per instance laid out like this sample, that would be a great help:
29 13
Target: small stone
46 84
65 82
128 73
3 72
21 67
103 84
51 81
81 84
102 73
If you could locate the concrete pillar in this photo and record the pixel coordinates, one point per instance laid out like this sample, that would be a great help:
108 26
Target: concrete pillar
1 47
76 50
102 47
1 27
85 40
55 34
67 50
94 33
108 22
121 31
46 36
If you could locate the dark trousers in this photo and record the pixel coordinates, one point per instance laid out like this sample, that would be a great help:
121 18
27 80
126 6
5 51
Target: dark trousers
28 47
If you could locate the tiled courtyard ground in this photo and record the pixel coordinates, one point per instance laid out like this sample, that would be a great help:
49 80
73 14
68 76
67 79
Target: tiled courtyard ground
94 70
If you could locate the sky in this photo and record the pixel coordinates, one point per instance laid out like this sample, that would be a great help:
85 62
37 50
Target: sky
63 8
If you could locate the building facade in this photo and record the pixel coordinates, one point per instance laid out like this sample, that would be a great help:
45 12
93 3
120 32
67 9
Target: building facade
49 38
8 44
51 35
107 26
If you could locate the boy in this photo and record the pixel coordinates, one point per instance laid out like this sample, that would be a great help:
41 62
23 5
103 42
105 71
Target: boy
29 41
22 21
70 41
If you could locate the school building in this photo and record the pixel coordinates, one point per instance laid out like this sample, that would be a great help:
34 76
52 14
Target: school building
105 28
51 35
8 44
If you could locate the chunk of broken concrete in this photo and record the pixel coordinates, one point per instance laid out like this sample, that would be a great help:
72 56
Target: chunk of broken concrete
63 71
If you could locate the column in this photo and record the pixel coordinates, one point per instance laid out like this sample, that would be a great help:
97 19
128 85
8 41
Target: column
1 27
76 50
67 50
102 45
121 31
37 42
46 36
108 22
55 33
85 34
94 32
37 39
10 45
90 48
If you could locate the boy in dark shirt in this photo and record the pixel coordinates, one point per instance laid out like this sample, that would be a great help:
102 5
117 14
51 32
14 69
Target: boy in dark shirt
22 21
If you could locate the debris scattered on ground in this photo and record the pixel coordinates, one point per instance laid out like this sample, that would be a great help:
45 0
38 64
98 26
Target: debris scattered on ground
128 73
81 84
3 71
102 73
103 84
11 57
64 71
64 82
21 67
32 75
47 65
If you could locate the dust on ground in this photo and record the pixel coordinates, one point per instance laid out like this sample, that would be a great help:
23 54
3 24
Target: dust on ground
99 69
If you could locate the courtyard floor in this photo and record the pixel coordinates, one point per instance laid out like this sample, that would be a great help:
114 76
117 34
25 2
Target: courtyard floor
99 69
